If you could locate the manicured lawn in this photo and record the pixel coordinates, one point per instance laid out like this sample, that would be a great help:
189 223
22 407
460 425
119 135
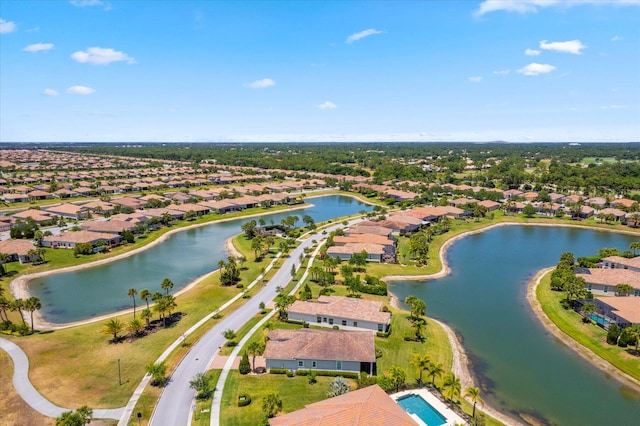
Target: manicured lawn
295 393
200 418
588 335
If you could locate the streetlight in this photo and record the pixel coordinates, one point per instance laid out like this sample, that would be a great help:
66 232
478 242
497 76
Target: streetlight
119 376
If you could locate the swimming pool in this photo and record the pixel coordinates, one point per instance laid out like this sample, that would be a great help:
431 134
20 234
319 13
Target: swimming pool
599 319
415 404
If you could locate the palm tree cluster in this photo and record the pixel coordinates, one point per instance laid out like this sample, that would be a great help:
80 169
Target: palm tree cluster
229 271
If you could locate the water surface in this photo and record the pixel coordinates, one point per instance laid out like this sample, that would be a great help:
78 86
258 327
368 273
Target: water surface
183 257
520 366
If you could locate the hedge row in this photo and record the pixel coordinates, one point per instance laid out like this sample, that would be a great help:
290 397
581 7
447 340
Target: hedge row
326 373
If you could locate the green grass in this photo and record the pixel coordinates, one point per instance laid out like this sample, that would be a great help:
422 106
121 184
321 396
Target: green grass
295 393
200 418
588 335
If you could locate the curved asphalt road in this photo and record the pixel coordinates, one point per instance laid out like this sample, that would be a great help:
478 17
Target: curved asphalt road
31 396
175 404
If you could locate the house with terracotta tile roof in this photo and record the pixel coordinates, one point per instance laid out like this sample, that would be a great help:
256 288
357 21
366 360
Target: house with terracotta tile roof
617 213
341 311
604 281
623 203
71 239
619 262
489 205
18 250
364 238
368 227
71 211
38 216
311 349
112 226
375 252
369 406
624 311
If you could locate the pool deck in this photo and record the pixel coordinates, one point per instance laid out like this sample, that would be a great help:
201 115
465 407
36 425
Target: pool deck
452 418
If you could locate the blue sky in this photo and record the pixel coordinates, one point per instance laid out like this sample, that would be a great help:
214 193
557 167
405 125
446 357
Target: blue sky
530 70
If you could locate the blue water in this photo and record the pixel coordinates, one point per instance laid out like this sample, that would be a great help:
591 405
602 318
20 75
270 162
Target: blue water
414 404
521 368
599 319
183 257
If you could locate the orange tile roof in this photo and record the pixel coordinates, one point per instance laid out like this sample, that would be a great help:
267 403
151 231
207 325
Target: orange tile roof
370 406
344 307
625 307
611 277
307 343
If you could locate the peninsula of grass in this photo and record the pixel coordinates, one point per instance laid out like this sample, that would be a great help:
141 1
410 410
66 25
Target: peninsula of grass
588 335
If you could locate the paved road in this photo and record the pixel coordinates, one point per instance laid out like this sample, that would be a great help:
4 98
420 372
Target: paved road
31 396
175 403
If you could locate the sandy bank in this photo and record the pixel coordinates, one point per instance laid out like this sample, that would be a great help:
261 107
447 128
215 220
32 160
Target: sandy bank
586 353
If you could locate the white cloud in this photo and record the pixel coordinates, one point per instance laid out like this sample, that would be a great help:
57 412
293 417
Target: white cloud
532 6
475 79
531 52
261 84
38 47
101 56
7 26
362 34
502 72
536 69
85 3
80 90
572 46
616 38
327 105
50 92
614 107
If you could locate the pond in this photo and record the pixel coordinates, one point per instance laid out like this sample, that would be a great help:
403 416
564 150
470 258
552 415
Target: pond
522 369
183 257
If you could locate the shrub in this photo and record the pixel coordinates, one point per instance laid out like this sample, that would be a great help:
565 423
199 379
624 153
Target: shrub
365 380
244 367
278 371
382 334
336 327
612 334
378 353
312 377
231 344
244 400
290 373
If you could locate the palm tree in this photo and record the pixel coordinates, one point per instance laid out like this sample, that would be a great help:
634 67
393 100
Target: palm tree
635 246
634 332
17 306
146 315
254 348
221 266
434 370
113 326
421 362
32 304
4 305
474 394
451 386
135 325
132 292
166 284
145 295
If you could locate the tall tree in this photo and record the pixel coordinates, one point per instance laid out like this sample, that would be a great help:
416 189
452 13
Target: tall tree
474 395
132 292
398 377
113 326
145 295
166 285
254 349
434 370
421 362
451 386
31 305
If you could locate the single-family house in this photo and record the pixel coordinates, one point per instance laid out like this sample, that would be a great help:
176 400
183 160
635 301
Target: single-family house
363 407
71 211
375 252
619 262
18 250
604 280
369 228
489 205
71 239
624 311
342 311
112 226
311 349
38 216
617 214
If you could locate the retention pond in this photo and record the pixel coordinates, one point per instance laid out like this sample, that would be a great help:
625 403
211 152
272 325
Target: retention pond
522 368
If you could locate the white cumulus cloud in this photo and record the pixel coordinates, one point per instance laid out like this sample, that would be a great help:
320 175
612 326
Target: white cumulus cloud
101 56
572 46
327 105
536 69
261 84
362 34
617 38
85 3
50 92
502 72
7 26
475 79
80 90
38 47
531 52
532 6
